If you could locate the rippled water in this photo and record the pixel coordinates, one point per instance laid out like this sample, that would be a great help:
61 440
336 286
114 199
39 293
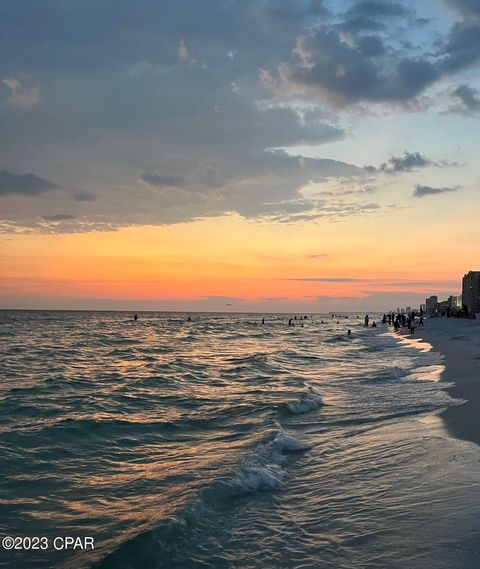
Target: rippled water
223 443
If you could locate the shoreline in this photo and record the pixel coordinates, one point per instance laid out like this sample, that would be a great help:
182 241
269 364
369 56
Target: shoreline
458 341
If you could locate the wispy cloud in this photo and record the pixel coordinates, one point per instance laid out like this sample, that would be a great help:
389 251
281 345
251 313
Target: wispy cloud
22 95
59 217
422 191
24 184
409 162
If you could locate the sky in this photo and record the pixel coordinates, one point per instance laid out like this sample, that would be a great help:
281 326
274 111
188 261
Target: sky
238 155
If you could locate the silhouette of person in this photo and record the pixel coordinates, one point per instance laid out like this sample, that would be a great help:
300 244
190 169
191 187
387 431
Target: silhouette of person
135 316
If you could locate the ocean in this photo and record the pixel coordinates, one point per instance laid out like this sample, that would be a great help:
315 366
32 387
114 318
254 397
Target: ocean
224 443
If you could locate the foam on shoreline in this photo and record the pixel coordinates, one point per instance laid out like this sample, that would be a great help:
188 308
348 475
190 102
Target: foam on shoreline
458 340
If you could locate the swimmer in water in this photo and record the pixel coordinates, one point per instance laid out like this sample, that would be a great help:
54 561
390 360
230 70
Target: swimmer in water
135 317
349 332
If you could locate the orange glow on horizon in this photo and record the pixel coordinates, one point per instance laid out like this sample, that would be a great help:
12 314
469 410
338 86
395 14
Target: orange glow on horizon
227 257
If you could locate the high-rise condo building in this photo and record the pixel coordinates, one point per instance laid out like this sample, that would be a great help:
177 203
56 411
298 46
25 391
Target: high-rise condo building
471 291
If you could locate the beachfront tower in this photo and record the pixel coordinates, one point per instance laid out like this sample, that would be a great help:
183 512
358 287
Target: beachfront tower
471 291
431 304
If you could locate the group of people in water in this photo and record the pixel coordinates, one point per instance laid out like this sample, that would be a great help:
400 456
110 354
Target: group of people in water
397 319
410 320
291 321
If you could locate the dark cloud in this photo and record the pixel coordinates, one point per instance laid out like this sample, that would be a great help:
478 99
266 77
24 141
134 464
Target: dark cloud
361 23
157 180
462 48
288 10
349 72
24 184
469 97
371 46
59 217
409 162
378 9
83 196
79 35
365 66
147 135
327 279
422 191
406 163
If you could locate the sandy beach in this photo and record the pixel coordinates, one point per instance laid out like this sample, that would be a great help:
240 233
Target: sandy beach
458 341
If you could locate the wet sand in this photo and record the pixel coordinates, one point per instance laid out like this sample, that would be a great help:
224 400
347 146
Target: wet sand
459 342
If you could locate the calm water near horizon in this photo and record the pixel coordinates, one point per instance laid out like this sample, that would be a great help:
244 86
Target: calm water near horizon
222 443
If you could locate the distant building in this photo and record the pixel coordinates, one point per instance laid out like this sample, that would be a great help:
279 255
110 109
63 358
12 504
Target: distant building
471 291
455 302
431 304
443 307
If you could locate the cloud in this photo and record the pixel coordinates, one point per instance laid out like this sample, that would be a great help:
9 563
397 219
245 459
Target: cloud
348 72
159 181
371 46
327 279
378 9
317 255
352 60
360 23
83 196
462 48
24 184
470 100
59 217
22 96
466 8
409 162
422 191
145 139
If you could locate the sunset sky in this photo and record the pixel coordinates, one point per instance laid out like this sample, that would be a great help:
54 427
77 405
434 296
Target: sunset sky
257 155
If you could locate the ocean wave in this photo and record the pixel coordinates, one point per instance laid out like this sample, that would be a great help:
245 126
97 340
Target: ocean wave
264 469
308 402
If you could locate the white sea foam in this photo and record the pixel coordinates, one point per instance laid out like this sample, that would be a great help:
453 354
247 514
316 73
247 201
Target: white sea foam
267 477
286 442
264 469
308 402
